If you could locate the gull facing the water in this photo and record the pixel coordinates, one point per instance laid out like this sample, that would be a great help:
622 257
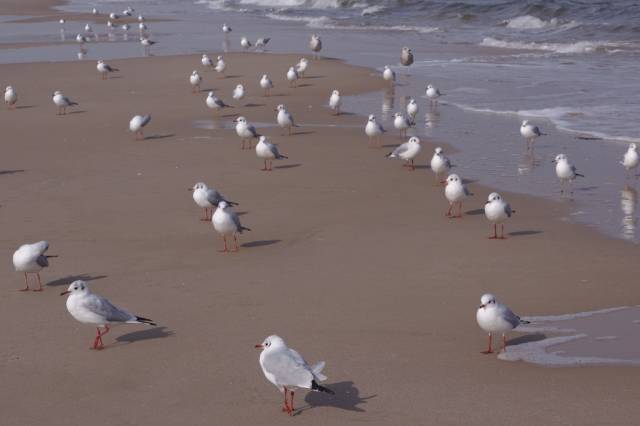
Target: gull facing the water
315 44
208 198
455 192
406 57
401 123
301 66
440 164
246 131
388 74
630 160
497 211
292 76
104 69
494 317
433 94
261 43
412 110
226 222
62 102
146 43
268 152
220 66
407 152
245 43
89 308
137 123
31 259
10 97
206 61
287 370
238 93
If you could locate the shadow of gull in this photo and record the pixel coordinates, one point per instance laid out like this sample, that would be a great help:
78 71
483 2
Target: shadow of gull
150 333
260 243
71 278
347 397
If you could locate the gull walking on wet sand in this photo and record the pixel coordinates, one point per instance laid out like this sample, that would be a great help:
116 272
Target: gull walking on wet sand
220 66
226 222
401 123
566 172
373 130
208 198
335 102
412 110
284 118
31 259
455 192
388 74
440 164
10 97
497 212
104 69
89 308
494 317
246 131
407 152
268 152
432 94
137 123
288 371
62 102
195 79
315 44
266 84
530 132
215 103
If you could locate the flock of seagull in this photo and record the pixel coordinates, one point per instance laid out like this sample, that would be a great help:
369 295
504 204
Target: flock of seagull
283 366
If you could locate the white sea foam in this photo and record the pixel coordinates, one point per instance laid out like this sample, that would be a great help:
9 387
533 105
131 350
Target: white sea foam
528 22
372 10
324 22
564 48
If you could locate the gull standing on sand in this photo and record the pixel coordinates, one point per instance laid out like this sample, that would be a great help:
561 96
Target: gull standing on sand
407 152
373 129
266 84
215 103
529 131
62 102
195 80
301 66
494 317
455 192
287 370
137 123
433 94
335 102
565 171
220 65
268 152
497 211
245 43
292 76
261 43
284 118
315 44
10 97
246 131
388 74
406 57
440 164
412 110
206 61
401 123
89 308
31 259
226 29
226 222
208 198
104 69
238 93
630 160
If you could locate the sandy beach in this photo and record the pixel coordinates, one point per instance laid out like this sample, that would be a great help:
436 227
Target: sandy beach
350 259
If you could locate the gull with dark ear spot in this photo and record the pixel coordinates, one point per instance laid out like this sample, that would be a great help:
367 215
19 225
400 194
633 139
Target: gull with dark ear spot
215 103
227 223
401 123
530 132
266 84
268 152
433 94
566 172
89 308
373 129
195 80
455 192
246 131
62 102
31 259
440 164
208 198
335 102
104 69
497 212
285 119
494 317
407 152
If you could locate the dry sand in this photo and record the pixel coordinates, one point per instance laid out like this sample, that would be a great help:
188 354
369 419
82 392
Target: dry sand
350 259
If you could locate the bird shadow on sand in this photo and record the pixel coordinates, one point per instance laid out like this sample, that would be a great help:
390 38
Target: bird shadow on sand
260 243
304 85
81 111
475 212
523 233
26 106
390 145
467 181
287 166
347 397
151 333
10 172
152 137
528 338
65 281
421 166
252 105
312 77
303 132
586 188
345 113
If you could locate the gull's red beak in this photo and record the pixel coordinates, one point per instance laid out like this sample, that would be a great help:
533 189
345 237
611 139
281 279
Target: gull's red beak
65 292
259 346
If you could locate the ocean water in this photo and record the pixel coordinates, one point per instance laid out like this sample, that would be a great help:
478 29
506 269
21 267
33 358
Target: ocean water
572 67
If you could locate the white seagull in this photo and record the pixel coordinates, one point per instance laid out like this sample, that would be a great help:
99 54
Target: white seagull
104 69
208 198
335 102
440 164
245 43
301 66
226 222
284 118
315 44
195 80
31 259
432 93
238 93
266 84
89 308
206 61
388 74
226 29
630 160
494 317
455 192
565 171
62 102
268 152
412 110
287 370
88 29
292 76
146 43
81 39
373 129
220 65
137 123
406 57
261 43
113 16
401 123
529 131
497 212
10 97
215 103
246 131
407 151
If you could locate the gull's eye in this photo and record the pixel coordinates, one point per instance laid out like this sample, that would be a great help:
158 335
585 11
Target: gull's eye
75 288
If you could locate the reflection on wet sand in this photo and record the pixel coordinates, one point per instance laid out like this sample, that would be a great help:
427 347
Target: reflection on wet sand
628 201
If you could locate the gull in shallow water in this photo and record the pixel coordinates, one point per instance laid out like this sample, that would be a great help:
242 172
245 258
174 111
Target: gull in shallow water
245 43
455 192
266 84
246 131
261 43
407 151
208 198
630 160
88 29
268 152
81 39
137 123
146 43
89 308
31 259
401 123
315 44
10 97
301 66
440 164
529 131
284 118
215 103
62 102
412 110
373 129
226 222
220 65
335 102
433 94
388 74
292 76
406 57
114 16
497 212
287 370
494 317
226 29
565 171
195 80
104 69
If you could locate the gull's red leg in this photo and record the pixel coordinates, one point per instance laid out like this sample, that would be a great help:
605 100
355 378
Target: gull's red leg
449 211
235 242
264 169
39 283
490 349
504 343
291 406
26 283
285 407
495 233
224 238
502 237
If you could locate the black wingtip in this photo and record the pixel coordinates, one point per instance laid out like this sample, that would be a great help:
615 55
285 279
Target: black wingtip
283 157
145 321
244 228
232 203
524 322
316 387
578 174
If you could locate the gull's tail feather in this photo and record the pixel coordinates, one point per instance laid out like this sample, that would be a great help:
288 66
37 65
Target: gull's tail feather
232 203
244 228
317 370
281 157
523 321
390 155
316 387
143 320
578 174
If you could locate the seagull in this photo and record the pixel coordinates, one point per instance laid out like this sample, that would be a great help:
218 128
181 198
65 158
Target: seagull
81 39
407 152
10 97
261 43
388 74
497 211
226 29
206 61
226 222
406 57
89 308
31 259
128 11
287 370
195 80
529 131
215 103
88 29
455 192
110 25
245 43
440 164
62 102
246 131
238 93
208 198
335 101
401 123
494 317
140 18
315 44
269 152
302 66
630 160
292 76
113 16
266 84
220 65
373 129
565 171
137 123
284 118
62 21
104 69
146 43
433 94
142 28
412 110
